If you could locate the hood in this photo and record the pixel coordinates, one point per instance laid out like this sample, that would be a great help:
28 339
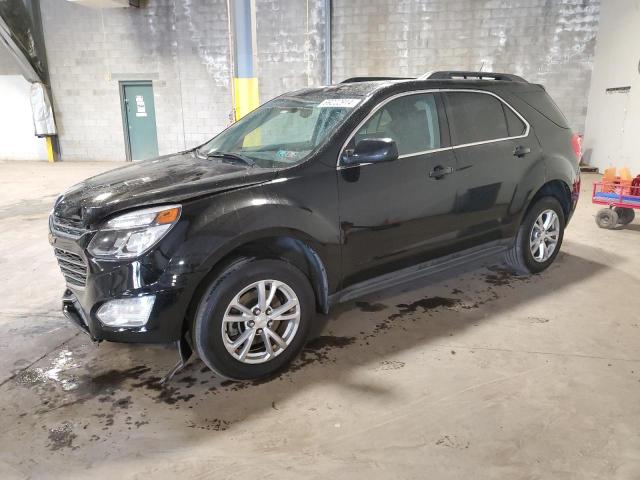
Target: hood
171 178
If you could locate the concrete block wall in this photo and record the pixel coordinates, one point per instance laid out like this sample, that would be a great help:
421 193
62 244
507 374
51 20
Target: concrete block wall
545 41
291 45
181 46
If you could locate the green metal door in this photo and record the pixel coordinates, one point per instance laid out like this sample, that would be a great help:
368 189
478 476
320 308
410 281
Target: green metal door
139 118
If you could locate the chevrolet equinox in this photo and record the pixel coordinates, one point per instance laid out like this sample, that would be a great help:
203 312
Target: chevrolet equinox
316 197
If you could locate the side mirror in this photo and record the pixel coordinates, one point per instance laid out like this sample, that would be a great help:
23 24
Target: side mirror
373 150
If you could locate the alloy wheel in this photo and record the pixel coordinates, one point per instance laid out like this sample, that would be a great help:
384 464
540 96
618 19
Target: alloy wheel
544 237
261 321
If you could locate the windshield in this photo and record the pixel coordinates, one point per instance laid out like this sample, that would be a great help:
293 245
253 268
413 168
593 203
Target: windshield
281 133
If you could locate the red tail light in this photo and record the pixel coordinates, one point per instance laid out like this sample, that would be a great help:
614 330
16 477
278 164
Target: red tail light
576 144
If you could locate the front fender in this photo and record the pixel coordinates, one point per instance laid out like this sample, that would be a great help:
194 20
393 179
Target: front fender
214 227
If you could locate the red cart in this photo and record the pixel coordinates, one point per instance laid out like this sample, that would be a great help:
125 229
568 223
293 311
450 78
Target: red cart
621 200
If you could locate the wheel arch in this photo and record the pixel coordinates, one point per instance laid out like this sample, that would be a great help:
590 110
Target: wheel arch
553 188
291 246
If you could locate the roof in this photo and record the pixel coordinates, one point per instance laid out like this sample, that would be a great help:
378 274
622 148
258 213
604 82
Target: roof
367 86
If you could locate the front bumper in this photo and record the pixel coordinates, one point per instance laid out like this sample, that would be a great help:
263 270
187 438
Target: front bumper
155 273
72 309
165 323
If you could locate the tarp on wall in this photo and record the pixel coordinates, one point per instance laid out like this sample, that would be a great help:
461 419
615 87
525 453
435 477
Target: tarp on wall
43 121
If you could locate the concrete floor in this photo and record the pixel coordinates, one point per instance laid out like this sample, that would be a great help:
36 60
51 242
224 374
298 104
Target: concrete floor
475 375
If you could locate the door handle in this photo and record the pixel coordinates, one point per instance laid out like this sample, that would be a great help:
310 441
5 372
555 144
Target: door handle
521 151
439 172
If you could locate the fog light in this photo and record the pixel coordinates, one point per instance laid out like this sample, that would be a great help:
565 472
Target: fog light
126 312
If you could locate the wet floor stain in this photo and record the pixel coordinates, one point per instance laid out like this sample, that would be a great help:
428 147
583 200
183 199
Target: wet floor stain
57 372
30 376
318 350
370 307
214 424
116 391
326 341
501 276
122 403
61 437
164 392
424 305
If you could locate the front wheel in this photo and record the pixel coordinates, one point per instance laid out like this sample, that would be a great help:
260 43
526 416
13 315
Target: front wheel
539 237
253 319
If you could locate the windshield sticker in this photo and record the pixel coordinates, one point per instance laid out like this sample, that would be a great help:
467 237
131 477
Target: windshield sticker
286 154
339 103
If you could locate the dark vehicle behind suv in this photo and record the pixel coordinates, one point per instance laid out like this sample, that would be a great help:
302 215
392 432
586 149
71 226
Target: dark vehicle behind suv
316 197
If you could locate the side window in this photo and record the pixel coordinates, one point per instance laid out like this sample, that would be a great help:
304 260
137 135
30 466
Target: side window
515 126
475 117
411 120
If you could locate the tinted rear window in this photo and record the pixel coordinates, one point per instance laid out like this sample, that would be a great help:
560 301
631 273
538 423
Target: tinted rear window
475 117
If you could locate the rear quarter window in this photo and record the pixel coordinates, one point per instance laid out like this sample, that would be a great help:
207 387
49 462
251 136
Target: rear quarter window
515 126
543 103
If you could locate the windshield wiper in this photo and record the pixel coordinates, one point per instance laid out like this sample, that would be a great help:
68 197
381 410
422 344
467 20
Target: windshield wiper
232 156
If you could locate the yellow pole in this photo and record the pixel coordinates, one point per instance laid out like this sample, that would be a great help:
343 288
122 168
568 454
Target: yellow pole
50 156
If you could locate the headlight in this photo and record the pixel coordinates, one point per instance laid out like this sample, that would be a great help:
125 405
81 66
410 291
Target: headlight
132 234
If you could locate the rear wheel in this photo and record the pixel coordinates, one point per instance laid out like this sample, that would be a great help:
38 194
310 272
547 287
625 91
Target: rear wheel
625 215
539 237
253 319
607 218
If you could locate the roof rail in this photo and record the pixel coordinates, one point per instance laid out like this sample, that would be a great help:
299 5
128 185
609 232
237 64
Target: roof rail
372 79
464 75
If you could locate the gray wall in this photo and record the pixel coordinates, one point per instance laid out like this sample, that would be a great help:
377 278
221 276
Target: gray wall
8 64
291 45
546 41
181 46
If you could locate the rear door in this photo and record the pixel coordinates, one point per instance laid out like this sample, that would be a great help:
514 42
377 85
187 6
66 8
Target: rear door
394 213
495 151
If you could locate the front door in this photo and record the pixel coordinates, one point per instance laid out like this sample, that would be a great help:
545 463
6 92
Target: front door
139 118
395 214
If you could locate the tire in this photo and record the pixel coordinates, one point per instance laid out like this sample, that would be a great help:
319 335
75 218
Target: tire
625 215
212 338
520 256
607 218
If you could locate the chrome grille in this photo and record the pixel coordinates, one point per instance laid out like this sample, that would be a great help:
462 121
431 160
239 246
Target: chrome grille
66 228
73 267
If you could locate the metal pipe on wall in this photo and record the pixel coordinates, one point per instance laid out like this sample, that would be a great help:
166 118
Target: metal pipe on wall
328 77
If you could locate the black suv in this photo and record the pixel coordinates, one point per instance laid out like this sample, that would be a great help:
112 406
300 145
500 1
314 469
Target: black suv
316 197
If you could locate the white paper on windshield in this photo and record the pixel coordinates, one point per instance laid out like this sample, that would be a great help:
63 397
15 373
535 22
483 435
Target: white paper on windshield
339 103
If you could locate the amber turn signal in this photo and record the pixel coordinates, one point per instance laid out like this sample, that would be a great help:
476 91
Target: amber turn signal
168 216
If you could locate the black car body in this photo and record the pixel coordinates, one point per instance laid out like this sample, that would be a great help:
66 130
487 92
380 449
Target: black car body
349 223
